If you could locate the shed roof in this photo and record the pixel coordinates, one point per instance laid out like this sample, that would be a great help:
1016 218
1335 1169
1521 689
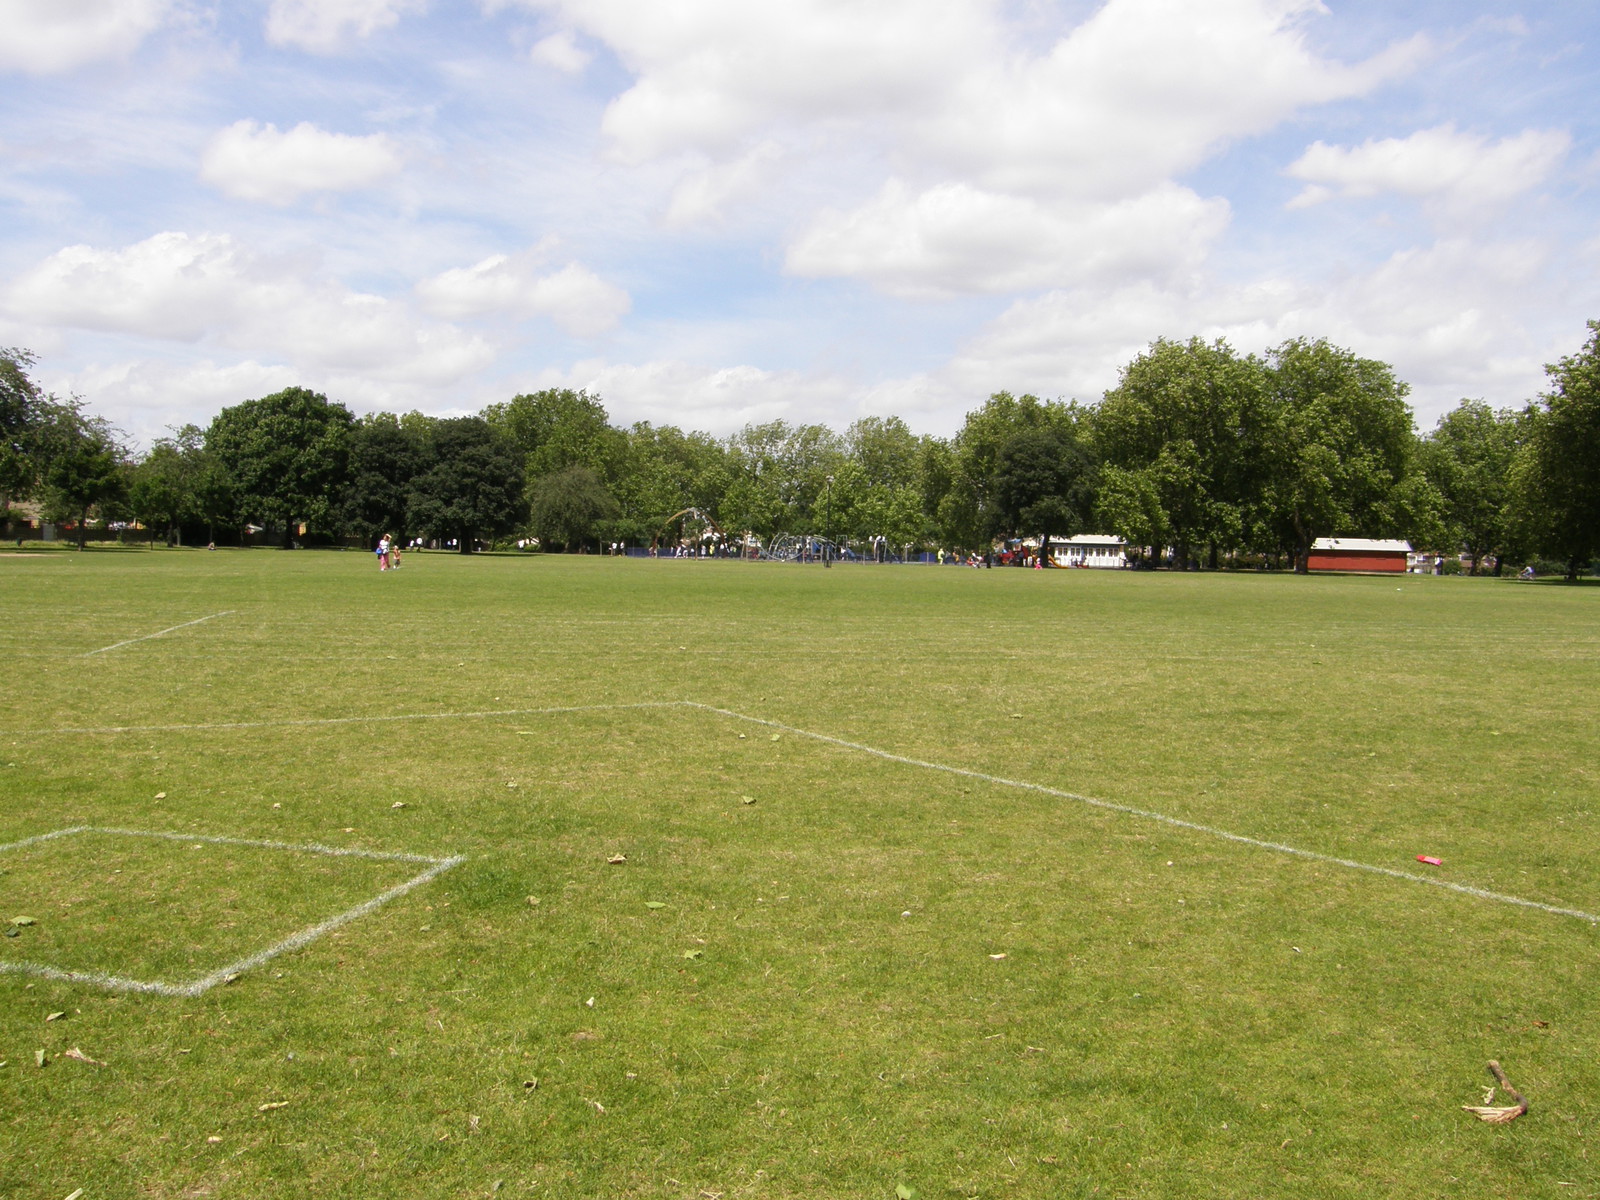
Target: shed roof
1079 539
1388 545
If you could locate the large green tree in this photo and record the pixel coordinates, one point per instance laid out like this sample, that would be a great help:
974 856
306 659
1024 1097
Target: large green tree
386 454
568 507
472 484
166 487
879 496
83 465
1183 437
20 416
286 456
1044 484
667 471
1557 474
970 511
558 428
780 477
1468 459
1343 449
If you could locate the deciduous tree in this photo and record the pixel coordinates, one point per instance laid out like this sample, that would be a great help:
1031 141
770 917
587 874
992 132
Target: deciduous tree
20 416
1468 459
1557 474
82 464
472 485
286 456
386 454
1183 436
1342 448
568 506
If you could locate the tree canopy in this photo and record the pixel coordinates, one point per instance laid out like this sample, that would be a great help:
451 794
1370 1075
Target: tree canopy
1198 450
286 455
471 484
1557 473
567 507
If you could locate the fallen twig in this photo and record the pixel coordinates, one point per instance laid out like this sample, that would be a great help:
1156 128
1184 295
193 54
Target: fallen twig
1494 1115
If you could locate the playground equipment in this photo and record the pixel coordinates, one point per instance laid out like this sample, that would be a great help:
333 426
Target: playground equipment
696 532
802 547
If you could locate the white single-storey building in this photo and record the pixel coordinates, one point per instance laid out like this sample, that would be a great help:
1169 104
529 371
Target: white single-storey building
1085 550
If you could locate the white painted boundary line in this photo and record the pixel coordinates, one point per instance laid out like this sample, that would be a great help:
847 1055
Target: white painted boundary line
195 987
1149 815
161 633
999 781
305 722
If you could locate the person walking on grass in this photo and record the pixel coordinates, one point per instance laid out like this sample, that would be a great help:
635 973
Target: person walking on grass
383 553
394 554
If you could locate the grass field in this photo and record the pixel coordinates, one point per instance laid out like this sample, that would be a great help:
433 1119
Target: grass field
821 971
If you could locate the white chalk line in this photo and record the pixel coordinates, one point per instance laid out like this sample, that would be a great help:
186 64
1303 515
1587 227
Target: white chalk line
1150 815
436 867
998 780
307 722
161 633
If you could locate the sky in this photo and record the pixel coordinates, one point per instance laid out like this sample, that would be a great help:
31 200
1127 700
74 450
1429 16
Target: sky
717 212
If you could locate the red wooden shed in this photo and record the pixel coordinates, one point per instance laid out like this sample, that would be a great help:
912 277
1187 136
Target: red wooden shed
1358 554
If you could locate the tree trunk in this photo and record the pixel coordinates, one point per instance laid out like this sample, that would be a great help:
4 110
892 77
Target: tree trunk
83 528
464 542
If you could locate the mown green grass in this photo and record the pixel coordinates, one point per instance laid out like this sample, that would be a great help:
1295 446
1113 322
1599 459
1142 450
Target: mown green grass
815 1010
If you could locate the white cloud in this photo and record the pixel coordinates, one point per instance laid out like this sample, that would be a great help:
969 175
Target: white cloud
957 238
1460 173
209 288
560 52
44 36
257 162
145 397
1454 319
711 71
718 400
707 193
574 297
1140 90
324 26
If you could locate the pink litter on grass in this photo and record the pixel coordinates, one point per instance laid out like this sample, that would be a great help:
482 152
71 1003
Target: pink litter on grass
1430 860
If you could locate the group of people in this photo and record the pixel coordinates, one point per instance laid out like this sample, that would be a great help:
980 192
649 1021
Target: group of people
388 553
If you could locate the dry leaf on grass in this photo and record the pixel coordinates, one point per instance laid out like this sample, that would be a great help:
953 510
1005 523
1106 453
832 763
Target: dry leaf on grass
1495 1116
616 860
272 1104
81 1056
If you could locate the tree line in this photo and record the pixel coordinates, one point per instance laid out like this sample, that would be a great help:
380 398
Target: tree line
1216 456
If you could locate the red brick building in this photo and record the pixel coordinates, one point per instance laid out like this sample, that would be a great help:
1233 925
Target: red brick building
1358 554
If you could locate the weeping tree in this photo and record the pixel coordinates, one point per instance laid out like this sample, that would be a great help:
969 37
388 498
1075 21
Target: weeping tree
567 507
